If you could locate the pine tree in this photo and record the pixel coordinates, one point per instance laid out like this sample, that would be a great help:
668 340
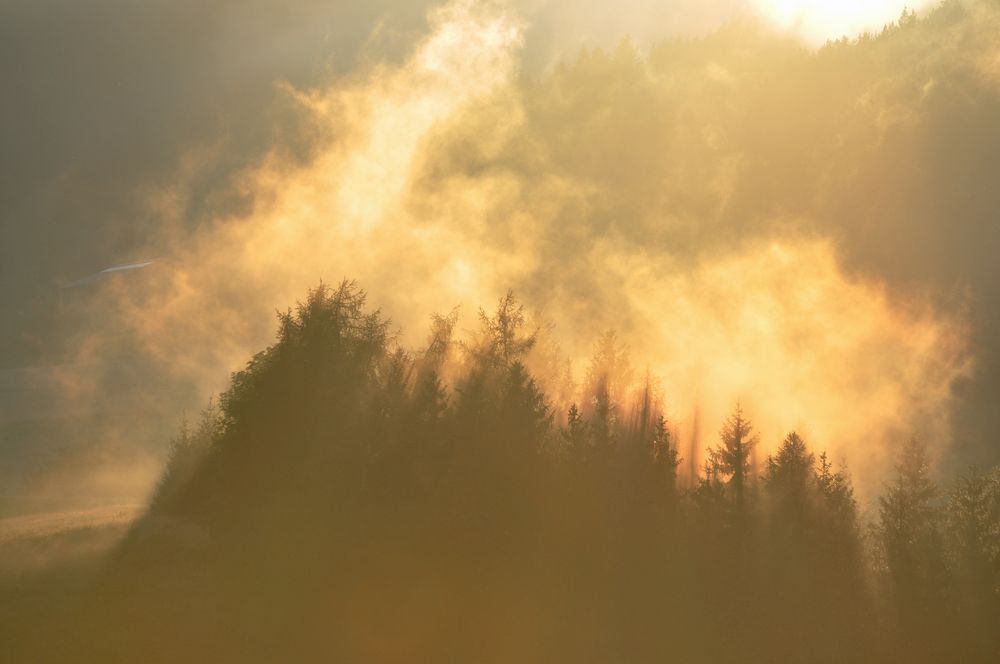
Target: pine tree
610 371
908 538
575 433
792 467
974 517
524 411
709 495
430 400
664 456
603 419
789 479
973 521
732 457
838 496
187 451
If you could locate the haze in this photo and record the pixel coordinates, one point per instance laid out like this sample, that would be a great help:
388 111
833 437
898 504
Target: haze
783 207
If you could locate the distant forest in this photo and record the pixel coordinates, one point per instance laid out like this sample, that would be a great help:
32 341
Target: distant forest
347 499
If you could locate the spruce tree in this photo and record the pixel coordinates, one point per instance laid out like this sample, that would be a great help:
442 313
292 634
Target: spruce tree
732 457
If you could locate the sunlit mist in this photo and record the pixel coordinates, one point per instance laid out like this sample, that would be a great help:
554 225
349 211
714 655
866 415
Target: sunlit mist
509 331
773 323
820 20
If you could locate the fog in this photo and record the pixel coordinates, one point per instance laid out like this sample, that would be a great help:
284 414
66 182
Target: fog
551 331
802 231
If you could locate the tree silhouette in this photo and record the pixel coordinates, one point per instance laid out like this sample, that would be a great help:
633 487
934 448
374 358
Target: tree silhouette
345 476
665 457
503 341
575 434
973 523
909 541
790 479
732 457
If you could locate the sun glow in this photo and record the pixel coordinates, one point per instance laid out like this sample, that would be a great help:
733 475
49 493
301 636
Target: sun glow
819 20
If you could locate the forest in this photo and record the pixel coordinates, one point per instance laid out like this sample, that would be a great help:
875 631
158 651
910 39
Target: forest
350 499
667 349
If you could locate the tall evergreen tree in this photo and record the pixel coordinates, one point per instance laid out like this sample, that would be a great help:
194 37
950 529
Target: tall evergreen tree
732 456
838 496
790 480
908 538
575 433
973 523
664 455
609 372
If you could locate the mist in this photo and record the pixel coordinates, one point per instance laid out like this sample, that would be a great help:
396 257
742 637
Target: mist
787 208
626 188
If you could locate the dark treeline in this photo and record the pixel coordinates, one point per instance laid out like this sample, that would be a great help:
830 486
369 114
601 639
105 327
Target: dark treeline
349 500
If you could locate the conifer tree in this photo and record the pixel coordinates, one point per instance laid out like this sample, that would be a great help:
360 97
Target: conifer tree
908 537
973 522
664 455
575 433
503 340
790 480
732 457
837 495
